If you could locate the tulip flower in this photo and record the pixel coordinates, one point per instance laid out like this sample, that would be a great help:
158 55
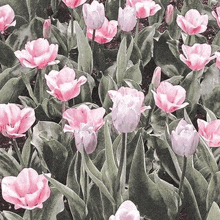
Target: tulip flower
127 18
38 53
169 14
46 28
94 14
28 190
217 15
126 211
73 3
156 77
104 34
14 122
127 108
84 123
192 23
169 98
196 56
217 54
184 139
63 84
6 18
210 131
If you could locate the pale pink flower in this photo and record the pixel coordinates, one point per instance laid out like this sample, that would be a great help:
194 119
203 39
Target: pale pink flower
73 3
63 84
127 18
38 53
192 23
6 18
126 211
184 139
127 108
169 98
217 54
210 131
46 28
28 190
217 16
156 77
104 34
196 56
84 123
14 122
169 14
94 14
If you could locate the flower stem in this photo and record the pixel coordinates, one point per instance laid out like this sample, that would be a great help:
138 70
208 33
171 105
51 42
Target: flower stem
137 30
93 40
18 152
41 85
31 214
2 37
119 4
167 118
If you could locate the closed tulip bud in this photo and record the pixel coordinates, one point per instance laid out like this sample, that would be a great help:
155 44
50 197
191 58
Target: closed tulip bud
169 14
46 28
156 77
184 139
127 18
94 15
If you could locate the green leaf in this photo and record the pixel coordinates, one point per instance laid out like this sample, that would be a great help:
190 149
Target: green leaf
142 190
6 215
191 4
214 212
134 73
7 57
112 8
85 59
26 152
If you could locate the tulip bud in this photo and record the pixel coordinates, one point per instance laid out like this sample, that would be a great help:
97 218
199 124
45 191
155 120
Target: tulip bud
127 18
46 28
169 14
156 77
94 15
184 139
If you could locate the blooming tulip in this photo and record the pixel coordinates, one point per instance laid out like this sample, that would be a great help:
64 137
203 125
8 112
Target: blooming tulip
127 18
170 98
94 15
38 53
184 139
46 28
15 121
6 17
84 123
126 211
193 23
217 54
210 131
217 16
169 14
196 56
28 190
104 34
156 77
63 84
127 108
73 3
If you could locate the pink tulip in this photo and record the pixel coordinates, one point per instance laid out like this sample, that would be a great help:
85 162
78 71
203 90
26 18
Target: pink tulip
217 16
217 54
28 190
170 98
104 34
84 123
197 56
46 28
156 77
73 3
127 108
63 84
169 14
6 18
38 53
126 211
184 139
193 23
210 131
94 14
15 121
127 18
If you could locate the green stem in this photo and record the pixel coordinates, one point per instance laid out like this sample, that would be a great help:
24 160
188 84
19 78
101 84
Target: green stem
167 118
2 37
72 17
62 111
182 181
18 152
119 4
137 30
93 40
31 214
41 85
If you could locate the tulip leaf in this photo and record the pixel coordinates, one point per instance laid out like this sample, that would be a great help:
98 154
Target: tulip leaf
76 204
191 4
6 215
214 212
85 58
51 207
26 152
112 7
7 57
142 190
134 73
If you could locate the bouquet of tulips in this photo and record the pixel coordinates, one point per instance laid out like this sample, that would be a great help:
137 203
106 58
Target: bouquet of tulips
109 109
